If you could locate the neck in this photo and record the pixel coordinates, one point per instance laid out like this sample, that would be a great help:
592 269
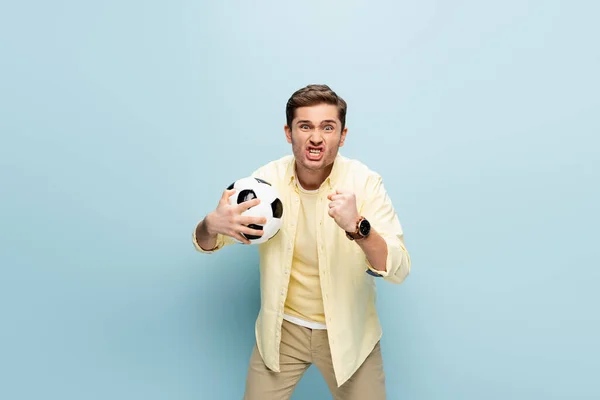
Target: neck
312 179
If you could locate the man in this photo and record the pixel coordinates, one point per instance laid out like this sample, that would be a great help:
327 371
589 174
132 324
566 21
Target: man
340 231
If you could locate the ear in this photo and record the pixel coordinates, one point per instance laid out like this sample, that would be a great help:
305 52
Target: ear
343 136
288 133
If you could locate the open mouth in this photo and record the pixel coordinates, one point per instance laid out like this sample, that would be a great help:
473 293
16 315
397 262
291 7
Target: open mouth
314 153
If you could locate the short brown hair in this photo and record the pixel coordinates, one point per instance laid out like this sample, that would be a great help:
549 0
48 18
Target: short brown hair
313 95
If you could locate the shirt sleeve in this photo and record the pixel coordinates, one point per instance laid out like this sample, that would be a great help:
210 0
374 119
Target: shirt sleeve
379 211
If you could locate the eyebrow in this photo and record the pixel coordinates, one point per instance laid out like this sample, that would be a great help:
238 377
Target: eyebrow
304 121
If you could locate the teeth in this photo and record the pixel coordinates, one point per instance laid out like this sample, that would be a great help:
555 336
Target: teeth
314 151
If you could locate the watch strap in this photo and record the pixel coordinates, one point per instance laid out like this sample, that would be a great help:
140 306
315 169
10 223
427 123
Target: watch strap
356 234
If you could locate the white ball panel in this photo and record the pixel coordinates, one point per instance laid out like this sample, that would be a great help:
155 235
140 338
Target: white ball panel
272 226
266 193
261 210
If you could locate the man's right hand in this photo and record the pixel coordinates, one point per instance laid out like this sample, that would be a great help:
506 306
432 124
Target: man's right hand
228 220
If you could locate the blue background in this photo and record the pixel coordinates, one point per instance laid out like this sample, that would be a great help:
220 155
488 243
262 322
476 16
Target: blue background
123 121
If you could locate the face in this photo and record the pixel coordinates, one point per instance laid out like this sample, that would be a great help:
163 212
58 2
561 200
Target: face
316 135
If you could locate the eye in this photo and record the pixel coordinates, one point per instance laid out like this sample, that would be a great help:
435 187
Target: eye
304 126
329 128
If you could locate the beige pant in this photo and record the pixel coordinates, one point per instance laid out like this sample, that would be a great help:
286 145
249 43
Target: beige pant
300 347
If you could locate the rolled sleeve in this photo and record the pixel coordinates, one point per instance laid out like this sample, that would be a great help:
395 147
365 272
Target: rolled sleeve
380 212
397 265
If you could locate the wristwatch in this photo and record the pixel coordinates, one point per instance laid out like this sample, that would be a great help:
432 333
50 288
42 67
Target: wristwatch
363 228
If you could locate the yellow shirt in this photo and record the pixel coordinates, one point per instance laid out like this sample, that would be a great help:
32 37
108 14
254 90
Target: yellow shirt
304 298
348 291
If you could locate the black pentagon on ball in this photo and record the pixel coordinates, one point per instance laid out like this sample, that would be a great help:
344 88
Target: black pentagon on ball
230 187
277 208
246 195
252 237
261 181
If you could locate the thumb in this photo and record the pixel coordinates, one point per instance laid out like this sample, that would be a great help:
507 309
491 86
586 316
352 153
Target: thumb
337 191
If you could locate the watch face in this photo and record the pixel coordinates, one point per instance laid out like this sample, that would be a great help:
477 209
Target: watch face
364 228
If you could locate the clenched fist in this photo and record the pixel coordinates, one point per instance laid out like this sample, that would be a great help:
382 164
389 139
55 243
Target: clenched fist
227 220
342 208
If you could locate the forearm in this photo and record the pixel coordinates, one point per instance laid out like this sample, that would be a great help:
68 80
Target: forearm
376 250
204 236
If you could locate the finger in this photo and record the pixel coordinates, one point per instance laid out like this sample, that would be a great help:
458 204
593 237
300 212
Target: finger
227 194
247 204
250 231
247 220
335 204
335 197
239 237
331 212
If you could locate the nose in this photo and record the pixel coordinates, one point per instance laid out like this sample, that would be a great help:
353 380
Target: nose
316 138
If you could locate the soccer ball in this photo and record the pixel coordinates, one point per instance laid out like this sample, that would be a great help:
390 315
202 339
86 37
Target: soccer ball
270 206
